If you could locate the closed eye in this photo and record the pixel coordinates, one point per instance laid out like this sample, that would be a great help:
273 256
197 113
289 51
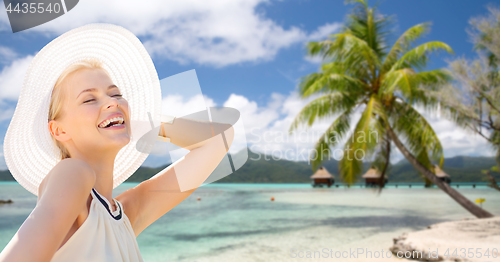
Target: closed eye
117 95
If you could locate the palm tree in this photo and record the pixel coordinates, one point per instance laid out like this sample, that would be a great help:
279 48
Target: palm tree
361 72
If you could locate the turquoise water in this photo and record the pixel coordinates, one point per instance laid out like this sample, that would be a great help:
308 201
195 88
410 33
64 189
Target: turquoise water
232 220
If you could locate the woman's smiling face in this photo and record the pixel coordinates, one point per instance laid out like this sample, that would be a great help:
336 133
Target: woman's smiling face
94 116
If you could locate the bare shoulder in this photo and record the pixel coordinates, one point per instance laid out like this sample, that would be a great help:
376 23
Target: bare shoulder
69 172
64 194
65 191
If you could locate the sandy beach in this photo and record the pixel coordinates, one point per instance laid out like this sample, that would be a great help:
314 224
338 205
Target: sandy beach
466 240
476 236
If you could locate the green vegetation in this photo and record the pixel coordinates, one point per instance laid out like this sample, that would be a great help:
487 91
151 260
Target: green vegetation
460 168
265 169
269 170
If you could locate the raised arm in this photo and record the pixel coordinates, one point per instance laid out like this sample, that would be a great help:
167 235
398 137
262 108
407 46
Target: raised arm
154 197
190 134
63 196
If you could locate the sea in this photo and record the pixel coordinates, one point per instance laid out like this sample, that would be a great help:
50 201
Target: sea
276 222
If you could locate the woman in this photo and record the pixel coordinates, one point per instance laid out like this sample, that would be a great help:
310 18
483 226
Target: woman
91 111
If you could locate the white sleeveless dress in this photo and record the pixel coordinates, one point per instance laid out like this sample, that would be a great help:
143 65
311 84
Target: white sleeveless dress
104 236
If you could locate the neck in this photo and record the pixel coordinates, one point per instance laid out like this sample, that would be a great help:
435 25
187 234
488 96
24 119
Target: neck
103 168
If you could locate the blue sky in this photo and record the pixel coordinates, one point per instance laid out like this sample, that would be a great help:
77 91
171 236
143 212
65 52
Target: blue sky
246 53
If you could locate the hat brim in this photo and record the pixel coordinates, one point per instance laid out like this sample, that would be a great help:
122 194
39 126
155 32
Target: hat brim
29 150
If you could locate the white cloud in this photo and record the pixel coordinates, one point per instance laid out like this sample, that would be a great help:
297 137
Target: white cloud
314 59
177 105
11 78
324 31
222 35
7 55
216 33
253 116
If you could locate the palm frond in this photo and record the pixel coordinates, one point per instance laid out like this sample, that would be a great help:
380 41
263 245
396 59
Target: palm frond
363 2
363 141
403 44
419 134
344 47
319 48
332 136
418 56
367 24
324 106
328 82
350 166
414 85
400 80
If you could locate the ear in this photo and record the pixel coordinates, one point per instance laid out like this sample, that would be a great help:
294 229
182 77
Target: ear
57 131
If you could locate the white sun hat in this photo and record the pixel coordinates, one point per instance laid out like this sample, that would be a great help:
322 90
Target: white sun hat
30 153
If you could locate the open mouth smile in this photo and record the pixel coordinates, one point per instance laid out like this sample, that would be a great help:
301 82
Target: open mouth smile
112 123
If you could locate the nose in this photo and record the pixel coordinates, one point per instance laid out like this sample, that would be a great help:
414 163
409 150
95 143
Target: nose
112 102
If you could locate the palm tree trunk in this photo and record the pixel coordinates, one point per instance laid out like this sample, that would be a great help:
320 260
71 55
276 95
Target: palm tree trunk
492 181
463 201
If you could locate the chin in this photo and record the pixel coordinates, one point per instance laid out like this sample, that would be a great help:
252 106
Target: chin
116 143
123 142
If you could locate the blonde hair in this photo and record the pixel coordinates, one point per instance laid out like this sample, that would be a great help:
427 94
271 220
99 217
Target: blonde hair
57 98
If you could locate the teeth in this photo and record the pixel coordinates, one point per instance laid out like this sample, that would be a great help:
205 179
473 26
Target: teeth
116 119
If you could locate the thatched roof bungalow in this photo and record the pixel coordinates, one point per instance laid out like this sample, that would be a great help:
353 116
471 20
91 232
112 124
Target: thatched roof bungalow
372 177
322 177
